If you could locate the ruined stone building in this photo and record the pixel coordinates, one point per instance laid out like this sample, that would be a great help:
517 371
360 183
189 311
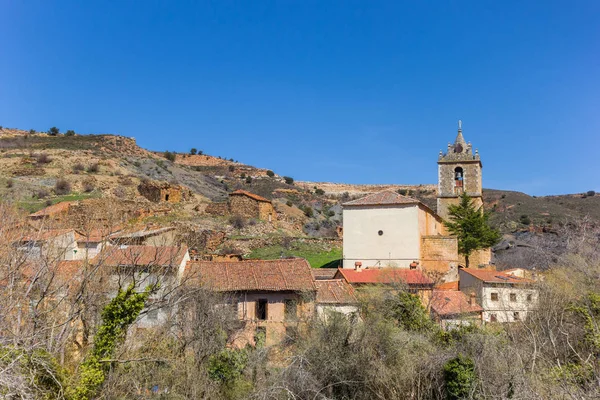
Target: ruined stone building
250 205
163 192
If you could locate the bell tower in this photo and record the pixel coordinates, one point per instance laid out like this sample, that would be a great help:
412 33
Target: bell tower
459 171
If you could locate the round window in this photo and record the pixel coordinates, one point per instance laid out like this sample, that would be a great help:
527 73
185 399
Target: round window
380 233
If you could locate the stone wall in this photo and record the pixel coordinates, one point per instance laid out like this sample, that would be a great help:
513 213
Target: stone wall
478 259
217 208
439 256
244 206
163 191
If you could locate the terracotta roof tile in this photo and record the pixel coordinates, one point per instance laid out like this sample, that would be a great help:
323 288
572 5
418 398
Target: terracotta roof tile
410 277
52 210
386 197
450 302
335 291
447 286
45 235
255 275
251 195
162 256
323 273
491 276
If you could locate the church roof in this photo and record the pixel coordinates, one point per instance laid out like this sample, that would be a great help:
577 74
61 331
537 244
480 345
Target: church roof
386 197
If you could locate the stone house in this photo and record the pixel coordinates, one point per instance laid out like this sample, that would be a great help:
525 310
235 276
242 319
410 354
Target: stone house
503 297
145 265
452 309
335 295
163 192
271 297
50 244
250 205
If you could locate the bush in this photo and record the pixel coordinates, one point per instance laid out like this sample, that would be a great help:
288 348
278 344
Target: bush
237 221
460 378
319 192
591 193
62 187
289 180
193 151
43 159
248 179
243 176
89 185
270 173
119 192
231 168
289 203
9 183
70 132
32 132
77 168
53 131
42 194
524 219
170 156
137 164
93 168
200 152
308 211
403 192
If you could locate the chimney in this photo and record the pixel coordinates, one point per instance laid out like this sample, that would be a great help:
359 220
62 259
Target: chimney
414 264
358 266
472 299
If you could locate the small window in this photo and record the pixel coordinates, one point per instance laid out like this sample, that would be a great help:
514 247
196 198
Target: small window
291 309
513 297
261 309
166 197
494 296
493 318
516 316
380 233
529 297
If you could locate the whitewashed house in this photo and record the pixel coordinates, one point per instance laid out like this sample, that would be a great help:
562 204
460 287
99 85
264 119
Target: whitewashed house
49 244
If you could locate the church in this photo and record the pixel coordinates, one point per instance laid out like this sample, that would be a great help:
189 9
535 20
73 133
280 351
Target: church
386 229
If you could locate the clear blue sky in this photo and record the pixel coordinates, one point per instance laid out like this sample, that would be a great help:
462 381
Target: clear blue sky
342 91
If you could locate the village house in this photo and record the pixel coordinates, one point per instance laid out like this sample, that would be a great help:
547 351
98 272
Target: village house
163 192
57 211
144 266
49 244
145 237
335 296
250 205
503 297
271 297
90 243
452 309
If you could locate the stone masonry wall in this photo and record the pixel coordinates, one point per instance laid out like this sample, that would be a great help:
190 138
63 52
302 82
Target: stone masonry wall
439 256
244 206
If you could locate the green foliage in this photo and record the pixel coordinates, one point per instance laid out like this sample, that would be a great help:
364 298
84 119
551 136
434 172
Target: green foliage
193 151
270 173
319 192
591 193
470 225
32 132
62 187
170 156
308 211
317 256
228 365
403 192
524 219
117 316
289 180
460 378
408 311
589 311
53 131
70 132
248 179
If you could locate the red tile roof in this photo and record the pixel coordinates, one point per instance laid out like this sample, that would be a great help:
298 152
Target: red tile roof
255 275
323 273
162 256
386 197
491 276
251 195
450 302
447 286
335 291
45 235
411 277
52 210
95 235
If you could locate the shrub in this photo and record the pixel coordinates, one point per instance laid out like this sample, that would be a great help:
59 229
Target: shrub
237 221
62 187
42 194
460 378
53 131
70 132
9 183
48 203
77 168
403 192
119 192
93 168
591 193
243 176
289 180
503 196
200 152
248 179
231 168
524 219
308 211
32 132
289 203
137 164
170 156
43 158
319 192
270 173
193 151
89 185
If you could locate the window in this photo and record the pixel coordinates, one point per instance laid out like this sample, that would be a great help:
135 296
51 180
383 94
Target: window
513 297
166 197
494 296
261 309
380 233
516 316
291 309
529 297
493 318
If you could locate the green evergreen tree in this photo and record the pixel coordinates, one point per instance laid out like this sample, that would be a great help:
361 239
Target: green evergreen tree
460 378
470 225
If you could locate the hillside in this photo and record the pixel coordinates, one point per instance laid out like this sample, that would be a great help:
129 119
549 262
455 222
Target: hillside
112 167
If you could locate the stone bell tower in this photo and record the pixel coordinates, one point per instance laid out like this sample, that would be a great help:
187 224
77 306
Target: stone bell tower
459 171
